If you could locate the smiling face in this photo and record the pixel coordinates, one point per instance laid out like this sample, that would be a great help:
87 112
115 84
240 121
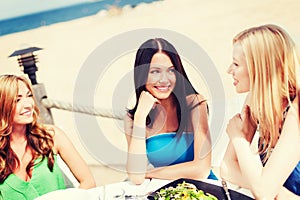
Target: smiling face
239 70
161 77
24 105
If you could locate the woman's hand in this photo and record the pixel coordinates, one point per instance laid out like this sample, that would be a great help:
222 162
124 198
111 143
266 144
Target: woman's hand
242 125
146 103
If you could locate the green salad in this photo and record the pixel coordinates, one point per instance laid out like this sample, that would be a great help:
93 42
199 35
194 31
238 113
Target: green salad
183 191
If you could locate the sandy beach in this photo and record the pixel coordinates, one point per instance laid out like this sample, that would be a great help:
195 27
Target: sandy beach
68 45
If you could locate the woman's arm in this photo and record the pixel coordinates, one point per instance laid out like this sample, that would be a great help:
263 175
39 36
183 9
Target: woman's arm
199 168
265 182
136 156
135 131
285 194
230 169
72 158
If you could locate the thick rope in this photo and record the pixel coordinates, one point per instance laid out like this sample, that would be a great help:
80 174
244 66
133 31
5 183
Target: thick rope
48 103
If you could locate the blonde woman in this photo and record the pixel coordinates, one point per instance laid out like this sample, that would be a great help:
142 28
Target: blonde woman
28 150
265 64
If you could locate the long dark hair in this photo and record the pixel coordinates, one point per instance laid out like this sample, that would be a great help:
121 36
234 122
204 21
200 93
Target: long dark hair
182 89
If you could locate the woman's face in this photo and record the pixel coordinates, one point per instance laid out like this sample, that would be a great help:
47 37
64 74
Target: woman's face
239 70
161 77
24 105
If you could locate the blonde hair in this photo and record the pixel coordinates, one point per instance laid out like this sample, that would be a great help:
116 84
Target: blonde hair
273 65
39 139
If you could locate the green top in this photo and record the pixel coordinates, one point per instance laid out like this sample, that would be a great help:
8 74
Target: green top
41 182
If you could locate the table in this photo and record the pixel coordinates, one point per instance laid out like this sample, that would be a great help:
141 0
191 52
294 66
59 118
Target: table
129 188
95 193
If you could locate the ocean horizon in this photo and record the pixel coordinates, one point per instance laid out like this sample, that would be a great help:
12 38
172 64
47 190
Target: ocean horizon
45 18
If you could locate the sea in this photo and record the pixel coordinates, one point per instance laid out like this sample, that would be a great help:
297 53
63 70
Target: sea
35 20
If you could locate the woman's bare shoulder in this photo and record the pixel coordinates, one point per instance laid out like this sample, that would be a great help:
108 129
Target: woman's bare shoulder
52 129
194 99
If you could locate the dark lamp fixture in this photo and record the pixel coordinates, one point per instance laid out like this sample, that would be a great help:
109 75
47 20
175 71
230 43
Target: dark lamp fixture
27 60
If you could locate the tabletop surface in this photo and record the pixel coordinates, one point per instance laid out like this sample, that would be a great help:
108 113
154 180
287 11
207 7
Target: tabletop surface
130 189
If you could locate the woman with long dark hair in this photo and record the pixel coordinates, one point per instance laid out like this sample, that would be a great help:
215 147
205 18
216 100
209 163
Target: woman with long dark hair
168 126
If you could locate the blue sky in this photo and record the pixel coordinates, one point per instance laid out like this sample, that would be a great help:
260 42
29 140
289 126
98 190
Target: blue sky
13 8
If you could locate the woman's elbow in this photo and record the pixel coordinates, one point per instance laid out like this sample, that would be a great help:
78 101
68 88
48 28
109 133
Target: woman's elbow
223 170
137 179
262 191
262 195
200 175
87 184
200 171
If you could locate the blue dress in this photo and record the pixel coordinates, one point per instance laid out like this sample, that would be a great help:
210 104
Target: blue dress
169 149
293 181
